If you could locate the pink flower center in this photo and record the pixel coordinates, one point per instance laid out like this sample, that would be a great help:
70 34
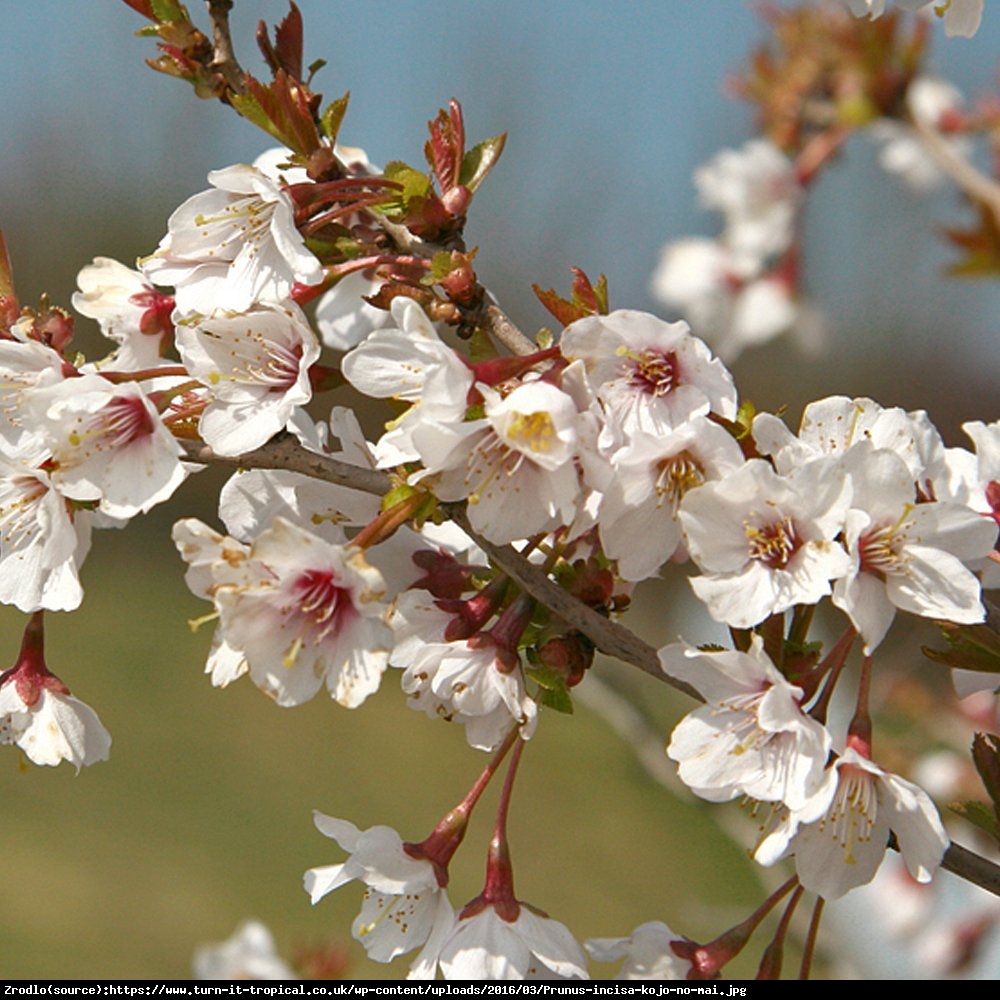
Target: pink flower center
653 372
773 544
278 367
321 601
126 420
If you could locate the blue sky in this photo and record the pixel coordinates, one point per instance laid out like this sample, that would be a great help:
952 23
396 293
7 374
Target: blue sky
609 108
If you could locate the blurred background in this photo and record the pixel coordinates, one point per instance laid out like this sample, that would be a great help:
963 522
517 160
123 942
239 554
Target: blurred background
202 817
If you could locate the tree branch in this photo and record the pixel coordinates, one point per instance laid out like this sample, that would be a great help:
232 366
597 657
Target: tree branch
497 324
608 636
976 185
224 57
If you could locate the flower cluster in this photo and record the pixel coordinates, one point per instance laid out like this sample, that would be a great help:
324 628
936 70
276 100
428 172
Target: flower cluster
487 542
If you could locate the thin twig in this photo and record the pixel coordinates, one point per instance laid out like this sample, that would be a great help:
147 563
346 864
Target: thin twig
497 324
976 185
224 57
608 636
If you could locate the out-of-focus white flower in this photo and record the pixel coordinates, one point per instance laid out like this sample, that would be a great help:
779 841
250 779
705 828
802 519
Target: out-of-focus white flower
961 17
929 100
758 193
250 953
646 951
752 736
233 246
405 905
731 312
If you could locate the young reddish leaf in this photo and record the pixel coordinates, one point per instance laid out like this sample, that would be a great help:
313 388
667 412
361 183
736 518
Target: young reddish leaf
446 146
585 294
564 311
480 160
288 42
286 52
986 757
586 298
282 109
143 7
981 246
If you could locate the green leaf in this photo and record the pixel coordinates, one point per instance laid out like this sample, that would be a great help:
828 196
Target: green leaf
169 10
480 160
558 700
978 814
333 116
415 183
970 647
554 693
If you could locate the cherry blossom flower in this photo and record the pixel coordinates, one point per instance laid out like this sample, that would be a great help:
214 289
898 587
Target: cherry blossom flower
752 736
344 318
39 715
250 953
409 362
766 542
646 951
907 555
107 444
25 365
45 538
638 514
650 375
461 681
129 309
758 193
832 426
405 905
487 944
233 246
839 837
524 446
255 367
294 610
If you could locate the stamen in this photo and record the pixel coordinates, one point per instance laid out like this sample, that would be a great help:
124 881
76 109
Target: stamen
649 371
